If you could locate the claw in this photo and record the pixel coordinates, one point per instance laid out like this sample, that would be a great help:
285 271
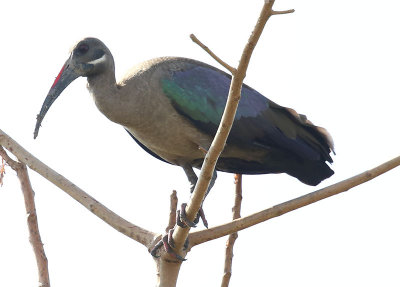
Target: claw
203 217
166 242
182 221
183 218
170 239
186 244
178 220
153 251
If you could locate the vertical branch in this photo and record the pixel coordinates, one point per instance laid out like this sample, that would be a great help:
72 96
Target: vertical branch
232 237
2 170
33 227
238 197
34 234
172 211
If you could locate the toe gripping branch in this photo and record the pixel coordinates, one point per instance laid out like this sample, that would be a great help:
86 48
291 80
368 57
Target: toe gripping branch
181 220
168 243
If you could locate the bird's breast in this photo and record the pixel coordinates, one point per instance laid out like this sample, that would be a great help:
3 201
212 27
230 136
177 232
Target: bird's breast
172 139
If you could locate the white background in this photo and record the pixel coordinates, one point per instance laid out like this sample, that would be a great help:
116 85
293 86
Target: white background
335 61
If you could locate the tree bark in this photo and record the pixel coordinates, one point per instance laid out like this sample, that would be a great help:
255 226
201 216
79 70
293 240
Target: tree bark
33 226
232 237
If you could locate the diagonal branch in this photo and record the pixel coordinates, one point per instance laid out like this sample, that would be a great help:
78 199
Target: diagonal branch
199 237
212 54
131 230
33 226
180 234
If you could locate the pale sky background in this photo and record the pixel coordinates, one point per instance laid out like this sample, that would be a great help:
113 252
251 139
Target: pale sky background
335 61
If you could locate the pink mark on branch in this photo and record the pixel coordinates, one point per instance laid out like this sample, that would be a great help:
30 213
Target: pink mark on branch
58 77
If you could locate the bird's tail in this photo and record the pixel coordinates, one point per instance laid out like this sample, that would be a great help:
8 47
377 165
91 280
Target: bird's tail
311 172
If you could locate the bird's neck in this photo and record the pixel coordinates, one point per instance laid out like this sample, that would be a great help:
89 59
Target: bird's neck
105 78
106 94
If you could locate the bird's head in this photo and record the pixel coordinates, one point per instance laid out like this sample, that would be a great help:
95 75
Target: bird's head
88 57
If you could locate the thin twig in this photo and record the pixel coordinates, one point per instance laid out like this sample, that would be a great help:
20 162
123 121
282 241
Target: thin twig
131 230
33 227
282 12
2 170
232 237
199 237
172 211
212 54
193 206
238 197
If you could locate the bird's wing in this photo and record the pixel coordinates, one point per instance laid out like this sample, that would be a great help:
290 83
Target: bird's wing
199 92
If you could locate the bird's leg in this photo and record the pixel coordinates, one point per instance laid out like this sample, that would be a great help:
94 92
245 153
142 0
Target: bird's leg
182 219
201 211
191 176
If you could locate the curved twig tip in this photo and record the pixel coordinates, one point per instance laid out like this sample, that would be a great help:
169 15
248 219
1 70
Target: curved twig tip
283 12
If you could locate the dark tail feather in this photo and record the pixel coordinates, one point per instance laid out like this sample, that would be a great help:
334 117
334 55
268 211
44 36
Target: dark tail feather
311 173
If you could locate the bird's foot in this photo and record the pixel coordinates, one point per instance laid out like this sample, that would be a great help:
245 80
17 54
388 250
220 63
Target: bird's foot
183 221
168 243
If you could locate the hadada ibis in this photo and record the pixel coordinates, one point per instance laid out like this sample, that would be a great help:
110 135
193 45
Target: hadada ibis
172 108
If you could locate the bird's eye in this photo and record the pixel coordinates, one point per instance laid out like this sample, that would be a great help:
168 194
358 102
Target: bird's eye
83 48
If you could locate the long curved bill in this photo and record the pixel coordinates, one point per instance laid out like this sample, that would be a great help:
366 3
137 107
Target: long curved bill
64 78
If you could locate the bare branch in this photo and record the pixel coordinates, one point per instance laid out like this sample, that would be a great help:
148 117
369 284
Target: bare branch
199 237
180 234
216 58
131 230
7 159
172 211
232 237
33 227
238 197
2 170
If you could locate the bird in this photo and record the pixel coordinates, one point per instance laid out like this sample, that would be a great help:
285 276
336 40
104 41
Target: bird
172 106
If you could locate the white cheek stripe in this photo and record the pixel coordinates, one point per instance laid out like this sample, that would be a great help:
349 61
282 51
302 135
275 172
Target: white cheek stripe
99 60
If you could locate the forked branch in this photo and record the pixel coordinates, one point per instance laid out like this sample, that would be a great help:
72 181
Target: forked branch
131 230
